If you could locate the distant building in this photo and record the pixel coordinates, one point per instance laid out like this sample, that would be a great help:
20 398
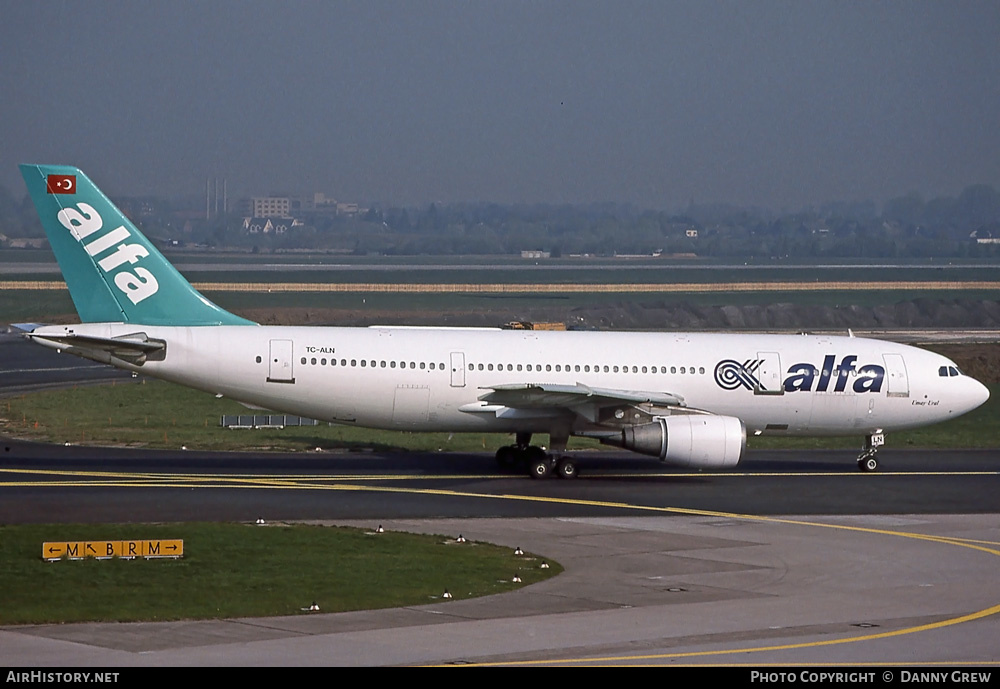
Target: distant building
536 254
309 206
265 225
27 243
269 207
985 236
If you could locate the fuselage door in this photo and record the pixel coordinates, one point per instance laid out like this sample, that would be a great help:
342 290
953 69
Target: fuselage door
279 369
458 369
897 384
769 374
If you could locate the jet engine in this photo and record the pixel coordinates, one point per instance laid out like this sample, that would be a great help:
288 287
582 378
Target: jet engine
700 441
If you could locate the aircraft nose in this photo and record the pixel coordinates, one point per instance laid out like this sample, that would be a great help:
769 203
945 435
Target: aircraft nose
978 394
970 395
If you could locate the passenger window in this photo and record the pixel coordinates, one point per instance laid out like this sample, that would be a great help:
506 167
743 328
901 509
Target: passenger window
303 361
258 360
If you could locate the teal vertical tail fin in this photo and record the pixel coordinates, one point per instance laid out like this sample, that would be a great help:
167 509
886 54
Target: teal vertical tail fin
113 272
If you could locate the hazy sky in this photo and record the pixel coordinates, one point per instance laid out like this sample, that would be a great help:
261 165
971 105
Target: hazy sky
780 104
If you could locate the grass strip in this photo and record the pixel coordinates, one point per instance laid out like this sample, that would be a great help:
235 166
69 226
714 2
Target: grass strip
239 570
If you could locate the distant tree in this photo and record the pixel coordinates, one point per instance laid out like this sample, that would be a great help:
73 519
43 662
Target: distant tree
907 209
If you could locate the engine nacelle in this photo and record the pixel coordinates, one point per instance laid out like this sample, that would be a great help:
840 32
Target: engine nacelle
700 441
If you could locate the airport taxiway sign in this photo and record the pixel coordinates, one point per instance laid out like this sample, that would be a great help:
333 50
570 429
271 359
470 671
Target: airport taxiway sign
104 550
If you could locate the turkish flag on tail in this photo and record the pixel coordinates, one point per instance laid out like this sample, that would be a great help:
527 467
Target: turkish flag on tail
60 184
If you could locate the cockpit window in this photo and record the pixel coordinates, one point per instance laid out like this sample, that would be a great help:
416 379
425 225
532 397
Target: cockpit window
949 371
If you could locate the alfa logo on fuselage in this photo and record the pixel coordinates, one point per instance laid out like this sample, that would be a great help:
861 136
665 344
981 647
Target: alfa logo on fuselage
805 377
85 224
730 374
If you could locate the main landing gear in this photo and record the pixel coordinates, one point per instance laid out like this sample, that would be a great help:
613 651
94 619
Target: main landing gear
868 459
539 463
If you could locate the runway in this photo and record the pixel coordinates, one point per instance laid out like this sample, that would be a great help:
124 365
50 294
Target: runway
796 558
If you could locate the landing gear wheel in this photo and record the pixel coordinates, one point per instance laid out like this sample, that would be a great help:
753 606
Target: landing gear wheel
507 457
534 454
540 468
566 468
868 463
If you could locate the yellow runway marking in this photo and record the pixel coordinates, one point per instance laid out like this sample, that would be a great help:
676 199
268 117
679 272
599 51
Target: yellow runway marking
337 483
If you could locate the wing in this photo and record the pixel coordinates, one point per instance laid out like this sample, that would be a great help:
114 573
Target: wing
603 406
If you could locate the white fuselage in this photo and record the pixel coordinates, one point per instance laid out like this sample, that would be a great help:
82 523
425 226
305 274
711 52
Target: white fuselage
431 379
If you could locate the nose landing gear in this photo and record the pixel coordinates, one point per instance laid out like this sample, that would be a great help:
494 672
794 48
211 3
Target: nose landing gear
868 459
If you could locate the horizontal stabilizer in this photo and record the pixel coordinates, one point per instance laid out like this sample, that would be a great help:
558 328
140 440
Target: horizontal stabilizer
26 327
134 348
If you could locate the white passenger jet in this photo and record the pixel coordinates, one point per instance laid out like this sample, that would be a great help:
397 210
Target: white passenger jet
689 399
